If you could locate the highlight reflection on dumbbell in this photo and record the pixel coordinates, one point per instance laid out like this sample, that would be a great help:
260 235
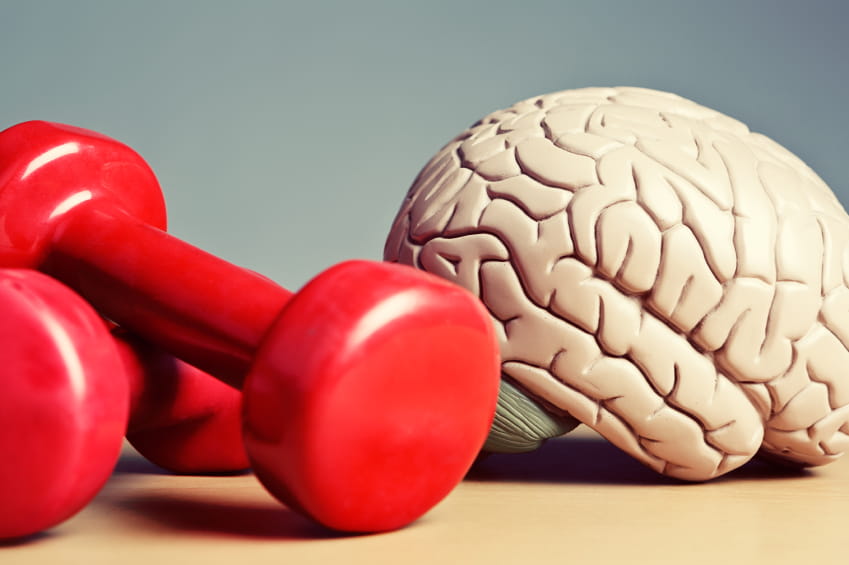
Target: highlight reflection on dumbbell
366 395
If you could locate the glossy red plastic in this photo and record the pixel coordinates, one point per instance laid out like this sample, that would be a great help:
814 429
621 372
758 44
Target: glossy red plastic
363 345
387 384
181 418
48 169
62 410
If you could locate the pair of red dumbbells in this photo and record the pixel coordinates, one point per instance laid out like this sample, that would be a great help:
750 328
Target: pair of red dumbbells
365 397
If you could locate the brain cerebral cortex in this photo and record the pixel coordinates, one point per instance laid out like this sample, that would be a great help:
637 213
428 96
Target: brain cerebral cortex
653 269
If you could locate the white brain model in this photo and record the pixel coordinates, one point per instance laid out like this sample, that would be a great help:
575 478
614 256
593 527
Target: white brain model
654 269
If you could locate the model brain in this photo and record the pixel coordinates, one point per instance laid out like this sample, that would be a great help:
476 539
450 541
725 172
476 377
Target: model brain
654 269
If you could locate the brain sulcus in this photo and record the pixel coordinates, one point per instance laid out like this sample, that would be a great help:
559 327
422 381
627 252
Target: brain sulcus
654 270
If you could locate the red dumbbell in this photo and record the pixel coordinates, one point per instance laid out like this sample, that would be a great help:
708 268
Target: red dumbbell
63 409
366 395
181 419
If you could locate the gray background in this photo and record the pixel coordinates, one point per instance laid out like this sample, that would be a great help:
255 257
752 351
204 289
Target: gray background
285 134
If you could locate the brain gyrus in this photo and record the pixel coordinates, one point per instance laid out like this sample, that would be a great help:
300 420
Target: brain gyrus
654 269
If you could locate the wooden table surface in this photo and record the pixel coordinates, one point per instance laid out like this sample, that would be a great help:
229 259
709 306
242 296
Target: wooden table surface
577 500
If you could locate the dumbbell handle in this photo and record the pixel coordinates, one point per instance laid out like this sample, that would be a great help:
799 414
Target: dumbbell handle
200 308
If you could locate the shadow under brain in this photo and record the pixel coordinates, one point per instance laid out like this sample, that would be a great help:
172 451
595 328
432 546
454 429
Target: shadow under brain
593 460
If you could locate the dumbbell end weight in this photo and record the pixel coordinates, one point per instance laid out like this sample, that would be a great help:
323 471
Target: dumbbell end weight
181 418
63 406
48 169
367 426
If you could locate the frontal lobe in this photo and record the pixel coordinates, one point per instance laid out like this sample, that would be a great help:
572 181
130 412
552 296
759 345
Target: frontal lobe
653 268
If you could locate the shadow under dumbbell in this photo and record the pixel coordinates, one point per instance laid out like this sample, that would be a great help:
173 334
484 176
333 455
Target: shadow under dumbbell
210 517
26 540
135 463
593 460
132 462
184 510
